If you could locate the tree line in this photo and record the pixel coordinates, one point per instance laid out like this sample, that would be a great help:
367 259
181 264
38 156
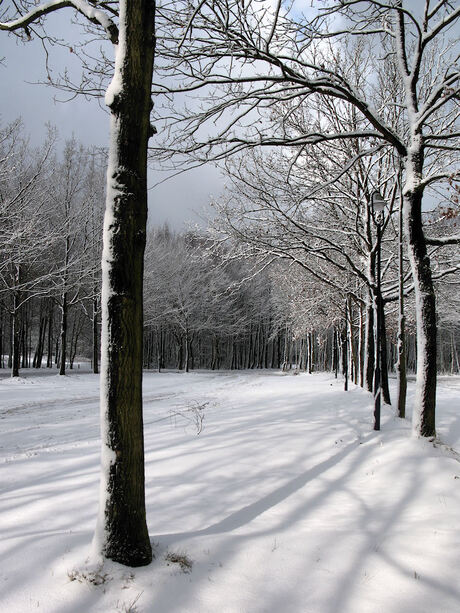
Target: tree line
51 204
245 293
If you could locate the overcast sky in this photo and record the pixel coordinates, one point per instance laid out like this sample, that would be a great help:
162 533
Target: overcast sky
177 201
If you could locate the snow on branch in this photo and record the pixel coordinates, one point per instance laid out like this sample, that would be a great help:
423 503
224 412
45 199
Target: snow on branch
95 15
444 240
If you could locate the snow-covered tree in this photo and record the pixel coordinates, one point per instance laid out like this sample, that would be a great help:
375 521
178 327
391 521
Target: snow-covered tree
121 533
257 56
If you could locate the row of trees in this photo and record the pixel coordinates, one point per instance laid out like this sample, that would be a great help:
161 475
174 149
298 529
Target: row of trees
208 305
377 81
50 245
213 305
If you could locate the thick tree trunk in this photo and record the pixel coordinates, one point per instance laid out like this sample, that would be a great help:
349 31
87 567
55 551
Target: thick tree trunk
423 417
122 533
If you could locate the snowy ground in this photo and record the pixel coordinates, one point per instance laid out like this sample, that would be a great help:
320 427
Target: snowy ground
287 502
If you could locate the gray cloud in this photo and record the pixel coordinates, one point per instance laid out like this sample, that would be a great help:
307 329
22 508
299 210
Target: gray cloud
177 201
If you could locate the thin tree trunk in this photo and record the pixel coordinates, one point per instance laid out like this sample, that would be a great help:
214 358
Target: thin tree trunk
15 327
369 355
187 352
345 350
361 349
351 341
335 352
401 372
310 352
454 363
37 361
15 340
24 363
384 355
49 357
95 327
2 363
63 335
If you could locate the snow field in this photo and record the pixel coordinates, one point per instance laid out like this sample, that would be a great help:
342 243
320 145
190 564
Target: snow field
287 500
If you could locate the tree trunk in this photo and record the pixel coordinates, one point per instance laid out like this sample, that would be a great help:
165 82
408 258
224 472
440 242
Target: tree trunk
423 420
344 357
15 334
352 345
38 357
63 335
122 534
454 363
361 344
2 364
310 352
95 327
344 348
369 354
180 353
187 352
401 342
15 340
335 352
214 352
76 330
24 362
49 356
384 355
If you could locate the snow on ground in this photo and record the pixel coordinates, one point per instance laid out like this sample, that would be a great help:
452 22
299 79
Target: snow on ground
287 501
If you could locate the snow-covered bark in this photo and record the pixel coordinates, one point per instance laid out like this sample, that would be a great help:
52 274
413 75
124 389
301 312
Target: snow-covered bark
401 340
423 420
122 533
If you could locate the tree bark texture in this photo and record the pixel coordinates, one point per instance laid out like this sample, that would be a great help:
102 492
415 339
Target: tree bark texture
122 526
423 420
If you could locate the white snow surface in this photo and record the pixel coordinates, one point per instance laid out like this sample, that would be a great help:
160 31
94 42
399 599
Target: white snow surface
287 501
